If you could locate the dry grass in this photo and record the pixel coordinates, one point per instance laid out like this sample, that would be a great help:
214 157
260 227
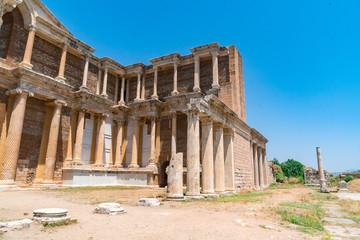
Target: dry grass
352 207
354 185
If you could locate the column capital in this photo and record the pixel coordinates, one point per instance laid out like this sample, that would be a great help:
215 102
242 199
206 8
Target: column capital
57 103
32 28
228 131
173 113
206 120
215 53
196 57
155 67
135 118
17 91
218 125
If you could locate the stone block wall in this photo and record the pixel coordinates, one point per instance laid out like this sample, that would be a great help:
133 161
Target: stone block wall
242 163
312 177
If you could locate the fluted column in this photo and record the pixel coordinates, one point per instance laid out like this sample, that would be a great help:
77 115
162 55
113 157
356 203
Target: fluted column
99 80
152 141
79 138
104 93
61 76
215 70
207 156
256 166
143 87
138 87
197 74
219 158
173 133
72 134
155 96
85 74
121 102
229 160
193 154
29 49
119 142
100 143
175 91
14 136
53 142
135 143
261 171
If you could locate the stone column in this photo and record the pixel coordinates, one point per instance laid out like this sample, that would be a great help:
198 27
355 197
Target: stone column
261 170
193 154
119 141
197 74
121 102
5 129
79 138
134 151
143 87
155 96
86 72
138 86
175 178
219 158
256 167
93 139
175 91
153 141
215 70
99 80
229 160
116 89
321 171
265 168
100 143
207 156
173 133
140 141
14 136
104 94
72 134
61 77
29 49
127 90
53 142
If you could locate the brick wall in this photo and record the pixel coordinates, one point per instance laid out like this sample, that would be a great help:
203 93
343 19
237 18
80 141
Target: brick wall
92 78
242 163
74 70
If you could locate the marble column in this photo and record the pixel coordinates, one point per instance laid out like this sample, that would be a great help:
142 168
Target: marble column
5 129
173 133
229 160
197 74
256 166
14 136
261 169
193 154
53 142
104 90
71 140
122 102
99 80
175 91
29 49
152 141
61 76
94 139
135 143
85 74
143 87
322 180
79 138
207 156
219 163
138 87
100 143
119 141
155 96
116 89
215 70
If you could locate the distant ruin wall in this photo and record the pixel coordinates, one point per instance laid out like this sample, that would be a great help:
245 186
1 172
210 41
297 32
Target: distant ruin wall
312 177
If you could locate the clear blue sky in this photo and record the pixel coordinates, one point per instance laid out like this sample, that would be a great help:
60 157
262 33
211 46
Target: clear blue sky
301 60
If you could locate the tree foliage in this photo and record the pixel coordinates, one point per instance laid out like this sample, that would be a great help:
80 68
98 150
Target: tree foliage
276 162
292 168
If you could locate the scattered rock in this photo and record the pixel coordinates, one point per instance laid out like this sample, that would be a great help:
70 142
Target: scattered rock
152 202
18 225
109 208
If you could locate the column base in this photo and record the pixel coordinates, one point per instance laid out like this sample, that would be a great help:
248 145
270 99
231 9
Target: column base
209 195
7 182
104 95
215 86
194 197
26 65
60 79
76 163
197 89
175 197
117 166
133 165
122 103
155 97
99 165
174 93
137 100
84 88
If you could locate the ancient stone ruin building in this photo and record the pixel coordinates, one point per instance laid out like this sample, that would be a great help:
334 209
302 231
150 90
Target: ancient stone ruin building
71 118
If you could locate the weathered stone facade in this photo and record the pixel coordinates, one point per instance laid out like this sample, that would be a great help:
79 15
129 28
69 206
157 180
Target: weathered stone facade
72 118
312 177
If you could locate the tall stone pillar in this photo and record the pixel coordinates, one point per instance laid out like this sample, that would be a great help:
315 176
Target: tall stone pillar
61 77
152 142
14 136
175 178
219 158
261 168
94 139
122 102
173 133
99 80
155 96
215 70
197 74
85 74
229 160
138 86
72 135
79 138
135 142
175 91
119 142
265 168
53 142
323 187
100 143
193 155
29 49
5 128
256 166
104 90
207 143
143 87
127 90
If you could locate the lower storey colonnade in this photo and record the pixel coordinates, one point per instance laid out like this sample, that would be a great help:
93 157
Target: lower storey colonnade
260 166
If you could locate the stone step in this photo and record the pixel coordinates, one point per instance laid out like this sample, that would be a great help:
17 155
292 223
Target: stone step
339 221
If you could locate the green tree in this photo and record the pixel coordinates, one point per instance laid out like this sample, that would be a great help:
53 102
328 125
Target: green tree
292 168
276 162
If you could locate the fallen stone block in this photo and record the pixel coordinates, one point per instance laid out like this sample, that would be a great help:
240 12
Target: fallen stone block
109 208
8 226
151 202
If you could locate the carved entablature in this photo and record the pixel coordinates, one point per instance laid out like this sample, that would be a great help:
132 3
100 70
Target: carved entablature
212 48
113 66
166 60
134 69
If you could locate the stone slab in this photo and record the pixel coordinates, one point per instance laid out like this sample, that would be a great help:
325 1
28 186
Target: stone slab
109 208
352 196
339 220
14 224
151 202
338 214
348 232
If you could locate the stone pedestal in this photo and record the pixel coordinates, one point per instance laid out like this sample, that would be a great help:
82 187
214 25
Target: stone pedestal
175 178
